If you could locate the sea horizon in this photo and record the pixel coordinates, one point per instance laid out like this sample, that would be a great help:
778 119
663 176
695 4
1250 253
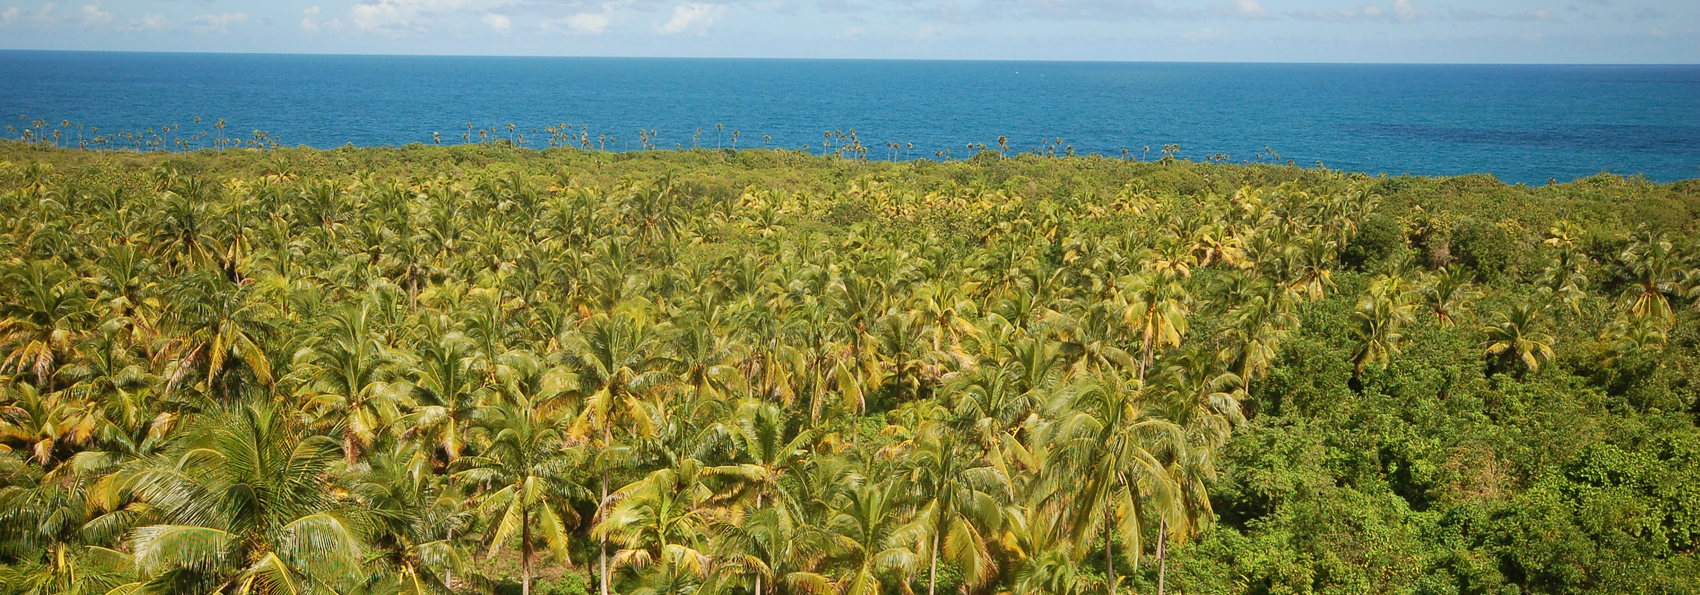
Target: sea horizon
1522 123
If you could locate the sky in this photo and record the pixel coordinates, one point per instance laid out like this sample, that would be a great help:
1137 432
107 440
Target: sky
1420 31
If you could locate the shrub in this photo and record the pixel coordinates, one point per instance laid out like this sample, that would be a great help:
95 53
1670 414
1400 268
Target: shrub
571 583
1488 250
1379 238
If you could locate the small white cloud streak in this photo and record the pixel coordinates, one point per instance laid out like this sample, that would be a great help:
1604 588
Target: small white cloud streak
400 18
1242 9
692 15
149 22
93 15
219 22
593 23
498 23
1402 11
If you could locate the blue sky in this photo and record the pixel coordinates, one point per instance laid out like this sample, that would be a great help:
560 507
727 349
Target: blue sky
1562 31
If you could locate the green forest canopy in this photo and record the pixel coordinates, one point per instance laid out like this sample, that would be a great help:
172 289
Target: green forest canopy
475 368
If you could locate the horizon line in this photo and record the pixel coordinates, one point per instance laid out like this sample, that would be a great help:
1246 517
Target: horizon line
836 59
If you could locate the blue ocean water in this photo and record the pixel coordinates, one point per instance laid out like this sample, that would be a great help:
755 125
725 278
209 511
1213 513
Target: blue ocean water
1520 123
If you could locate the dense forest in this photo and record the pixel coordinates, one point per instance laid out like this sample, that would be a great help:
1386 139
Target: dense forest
488 369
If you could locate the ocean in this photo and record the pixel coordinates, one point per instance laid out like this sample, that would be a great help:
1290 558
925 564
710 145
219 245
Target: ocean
1521 123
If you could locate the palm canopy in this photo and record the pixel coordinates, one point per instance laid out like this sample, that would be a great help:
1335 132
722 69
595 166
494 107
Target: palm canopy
270 374
245 506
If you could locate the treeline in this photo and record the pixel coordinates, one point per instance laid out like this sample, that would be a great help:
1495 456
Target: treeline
479 369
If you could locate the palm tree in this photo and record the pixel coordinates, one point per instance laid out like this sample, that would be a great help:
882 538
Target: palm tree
41 423
905 350
1515 337
958 497
1379 318
869 532
618 361
773 547
1261 324
1652 266
347 379
1106 444
661 520
1156 312
446 389
244 504
413 516
707 360
43 314
523 470
1448 295
51 532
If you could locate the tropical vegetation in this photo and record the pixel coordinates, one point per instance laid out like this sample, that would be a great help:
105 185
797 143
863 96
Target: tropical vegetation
483 368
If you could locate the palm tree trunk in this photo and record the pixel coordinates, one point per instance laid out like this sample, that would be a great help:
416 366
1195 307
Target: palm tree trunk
524 549
350 448
449 575
1109 555
1145 361
758 574
603 577
1162 561
933 574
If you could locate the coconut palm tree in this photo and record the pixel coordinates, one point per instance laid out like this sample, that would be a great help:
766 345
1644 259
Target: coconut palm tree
869 530
446 389
619 363
524 474
1106 443
958 503
413 515
1514 337
1156 312
1448 295
348 379
53 532
46 309
1652 266
218 327
770 545
1379 320
244 504
661 523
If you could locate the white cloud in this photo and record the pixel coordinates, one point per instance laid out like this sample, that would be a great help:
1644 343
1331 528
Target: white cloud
850 32
927 33
1539 14
1648 13
692 15
1468 15
589 22
307 23
1242 9
1405 13
149 22
10 15
1400 12
1206 34
498 23
399 18
44 13
93 15
219 22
